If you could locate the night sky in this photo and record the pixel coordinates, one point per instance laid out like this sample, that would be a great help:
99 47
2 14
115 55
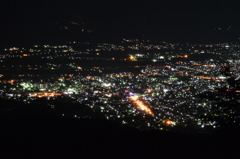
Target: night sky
27 22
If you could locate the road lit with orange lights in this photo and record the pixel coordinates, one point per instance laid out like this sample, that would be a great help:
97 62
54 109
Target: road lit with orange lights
140 105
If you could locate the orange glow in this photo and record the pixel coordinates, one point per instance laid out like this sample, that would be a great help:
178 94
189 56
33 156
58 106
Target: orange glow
196 64
11 81
132 58
111 75
209 65
32 68
180 62
140 105
149 90
44 94
169 122
88 77
186 56
204 77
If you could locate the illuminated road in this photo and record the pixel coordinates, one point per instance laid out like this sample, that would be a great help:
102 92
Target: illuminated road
140 105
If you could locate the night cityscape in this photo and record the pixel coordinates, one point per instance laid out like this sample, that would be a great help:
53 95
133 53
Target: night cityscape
120 79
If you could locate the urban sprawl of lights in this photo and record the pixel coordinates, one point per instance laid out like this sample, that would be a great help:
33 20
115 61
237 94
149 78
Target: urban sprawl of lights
148 85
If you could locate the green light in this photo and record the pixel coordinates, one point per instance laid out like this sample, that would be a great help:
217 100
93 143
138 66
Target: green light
72 90
26 86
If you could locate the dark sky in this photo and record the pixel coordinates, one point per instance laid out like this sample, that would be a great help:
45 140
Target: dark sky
179 20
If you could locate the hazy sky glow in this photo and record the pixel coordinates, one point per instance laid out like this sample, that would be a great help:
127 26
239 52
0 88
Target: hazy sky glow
169 20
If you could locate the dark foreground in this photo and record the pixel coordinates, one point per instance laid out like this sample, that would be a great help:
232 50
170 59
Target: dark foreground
49 137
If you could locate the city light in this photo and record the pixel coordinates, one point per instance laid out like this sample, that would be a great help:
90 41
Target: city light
140 104
176 89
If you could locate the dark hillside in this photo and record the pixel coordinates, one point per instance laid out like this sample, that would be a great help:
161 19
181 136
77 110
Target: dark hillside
40 137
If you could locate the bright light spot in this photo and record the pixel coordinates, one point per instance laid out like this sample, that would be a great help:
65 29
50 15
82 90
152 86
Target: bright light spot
165 90
161 57
149 90
140 105
169 122
106 84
